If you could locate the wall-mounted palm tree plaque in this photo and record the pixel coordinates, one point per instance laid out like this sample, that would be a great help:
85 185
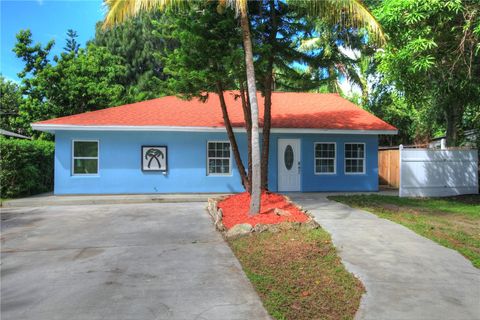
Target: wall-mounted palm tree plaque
154 158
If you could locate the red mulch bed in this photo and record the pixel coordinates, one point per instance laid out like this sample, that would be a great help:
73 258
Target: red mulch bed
235 210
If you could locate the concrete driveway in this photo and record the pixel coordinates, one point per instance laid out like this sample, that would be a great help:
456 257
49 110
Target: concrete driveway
130 261
406 275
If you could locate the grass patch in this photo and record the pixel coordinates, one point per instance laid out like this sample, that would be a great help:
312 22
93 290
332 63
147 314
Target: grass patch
453 222
298 274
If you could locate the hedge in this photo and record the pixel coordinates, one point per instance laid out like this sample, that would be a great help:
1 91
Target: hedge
26 167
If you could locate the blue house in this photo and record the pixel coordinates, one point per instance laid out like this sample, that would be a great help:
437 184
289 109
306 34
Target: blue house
319 142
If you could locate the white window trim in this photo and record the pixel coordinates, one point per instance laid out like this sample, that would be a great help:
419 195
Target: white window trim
97 158
229 160
315 159
364 158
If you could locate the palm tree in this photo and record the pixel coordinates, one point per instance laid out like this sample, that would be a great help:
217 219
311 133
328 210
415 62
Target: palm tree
154 154
351 12
343 53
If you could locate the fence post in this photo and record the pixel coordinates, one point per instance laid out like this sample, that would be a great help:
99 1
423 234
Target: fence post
400 191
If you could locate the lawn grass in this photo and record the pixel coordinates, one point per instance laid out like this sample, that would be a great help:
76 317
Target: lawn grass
298 274
453 222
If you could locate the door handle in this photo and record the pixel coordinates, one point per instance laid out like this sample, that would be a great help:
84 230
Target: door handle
299 167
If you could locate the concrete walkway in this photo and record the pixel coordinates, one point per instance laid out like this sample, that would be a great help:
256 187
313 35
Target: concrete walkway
406 276
129 261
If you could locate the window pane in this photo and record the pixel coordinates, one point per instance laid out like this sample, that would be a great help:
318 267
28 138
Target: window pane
354 155
325 165
360 166
225 166
211 166
219 157
85 149
354 166
325 158
360 150
85 166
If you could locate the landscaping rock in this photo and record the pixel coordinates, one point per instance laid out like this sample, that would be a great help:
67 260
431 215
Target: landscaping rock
310 225
239 230
260 227
218 220
244 229
281 212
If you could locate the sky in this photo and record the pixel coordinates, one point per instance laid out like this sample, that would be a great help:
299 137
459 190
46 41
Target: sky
47 20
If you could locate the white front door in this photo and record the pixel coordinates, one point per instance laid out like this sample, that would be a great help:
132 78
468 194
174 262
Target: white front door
288 164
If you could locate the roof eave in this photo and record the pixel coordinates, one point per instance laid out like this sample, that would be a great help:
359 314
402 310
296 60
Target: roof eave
51 128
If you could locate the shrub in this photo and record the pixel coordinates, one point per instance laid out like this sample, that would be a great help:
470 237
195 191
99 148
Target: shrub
26 167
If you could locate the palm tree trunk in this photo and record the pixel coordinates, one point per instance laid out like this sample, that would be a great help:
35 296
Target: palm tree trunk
231 137
252 92
267 114
248 126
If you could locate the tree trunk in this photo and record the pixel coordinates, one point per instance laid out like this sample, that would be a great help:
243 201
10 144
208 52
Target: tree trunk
248 127
252 93
267 114
452 120
231 136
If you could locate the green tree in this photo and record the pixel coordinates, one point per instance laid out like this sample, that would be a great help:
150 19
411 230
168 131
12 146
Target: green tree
72 45
390 105
277 28
433 57
206 60
35 57
141 44
120 10
10 101
340 54
70 84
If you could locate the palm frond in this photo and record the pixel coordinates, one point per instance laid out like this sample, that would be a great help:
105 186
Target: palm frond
310 44
240 6
120 10
350 13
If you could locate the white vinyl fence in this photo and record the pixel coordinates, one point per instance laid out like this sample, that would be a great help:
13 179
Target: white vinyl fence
437 173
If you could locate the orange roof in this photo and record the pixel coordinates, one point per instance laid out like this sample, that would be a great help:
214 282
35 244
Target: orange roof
289 110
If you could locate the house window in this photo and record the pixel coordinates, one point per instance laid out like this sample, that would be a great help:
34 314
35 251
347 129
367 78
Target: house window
325 154
85 157
355 158
218 158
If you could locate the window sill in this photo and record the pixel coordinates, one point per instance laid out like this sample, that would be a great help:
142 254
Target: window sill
325 174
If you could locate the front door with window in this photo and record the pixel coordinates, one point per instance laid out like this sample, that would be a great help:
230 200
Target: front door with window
289 164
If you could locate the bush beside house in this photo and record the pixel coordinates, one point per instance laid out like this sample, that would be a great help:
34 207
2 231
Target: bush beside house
26 167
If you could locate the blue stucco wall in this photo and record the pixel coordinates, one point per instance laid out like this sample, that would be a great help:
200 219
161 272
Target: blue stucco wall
120 164
310 182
